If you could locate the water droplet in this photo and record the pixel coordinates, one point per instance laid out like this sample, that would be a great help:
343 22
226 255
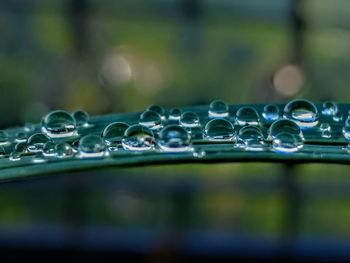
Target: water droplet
21 147
174 138
175 114
218 109
325 127
337 117
113 134
199 153
247 116
329 108
91 146
4 138
59 124
38 158
150 119
219 130
251 138
284 126
15 156
81 118
347 122
36 142
196 133
303 112
49 149
158 109
346 132
285 142
189 119
138 138
21 137
271 113
326 134
64 150
2 151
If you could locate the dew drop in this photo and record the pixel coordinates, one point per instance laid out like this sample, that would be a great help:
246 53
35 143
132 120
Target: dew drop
251 138
113 134
199 153
63 150
175 114
247 116
15 156
49 149
2 151
218 109
158 109
329 108
36 142
21 147
285 142
174 138
219 130
81 118
4 138
271 113
38 158
91 146
346 132
337 117
138 138
59 124
150 119
196 133
21 137
325 127
303 112
326 134
284 126
189 119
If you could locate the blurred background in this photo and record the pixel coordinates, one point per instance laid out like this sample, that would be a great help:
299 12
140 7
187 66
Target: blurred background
119 56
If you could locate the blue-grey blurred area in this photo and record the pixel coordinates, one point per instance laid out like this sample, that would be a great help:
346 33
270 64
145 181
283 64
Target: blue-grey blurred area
120 56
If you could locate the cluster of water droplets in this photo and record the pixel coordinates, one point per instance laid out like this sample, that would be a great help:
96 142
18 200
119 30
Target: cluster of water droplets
277 128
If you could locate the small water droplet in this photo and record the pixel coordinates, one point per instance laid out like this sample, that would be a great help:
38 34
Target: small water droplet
49 149
38 158
21 137
325 127
219 130
271 113
285 142
247 116
36 142
326 134
346 132
251 138
218 109
59 124
189 119
2 151
150 119
158 109
15 156
138 138
174 138
337 117
303 112
195 132
284 126
347 122
64 150
4 138
113 134
91 146
329 108
199 153
21 147
81 118
175 114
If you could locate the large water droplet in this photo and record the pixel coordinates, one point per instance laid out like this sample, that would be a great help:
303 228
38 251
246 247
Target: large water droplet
36 142
251 138
329 108
285 142
59 124
219 130
49 149
271 113
138 138
91 146
113 134
189 119
175 114
284 126
4 138
158 109
247 116
218 109
174 138
150 119
81 118
303 112
64 150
